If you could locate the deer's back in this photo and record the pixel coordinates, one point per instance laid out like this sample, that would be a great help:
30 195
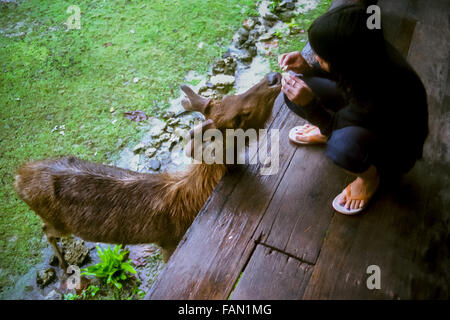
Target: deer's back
93 201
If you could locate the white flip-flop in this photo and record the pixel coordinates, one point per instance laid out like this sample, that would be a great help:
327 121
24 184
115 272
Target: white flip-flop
342 209
293 132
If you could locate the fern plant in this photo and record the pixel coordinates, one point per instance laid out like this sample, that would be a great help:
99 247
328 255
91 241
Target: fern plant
112 267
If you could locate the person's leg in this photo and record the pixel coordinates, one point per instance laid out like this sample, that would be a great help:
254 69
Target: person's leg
353 149
329 95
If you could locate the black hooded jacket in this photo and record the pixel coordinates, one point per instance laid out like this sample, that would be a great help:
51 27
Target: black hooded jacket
381 90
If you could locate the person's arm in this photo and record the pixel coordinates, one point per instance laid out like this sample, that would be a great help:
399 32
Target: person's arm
303 102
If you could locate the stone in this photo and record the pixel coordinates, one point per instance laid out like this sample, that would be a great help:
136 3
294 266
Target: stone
266 36
53 295
243 33
154 164
250 23
139 148
75 251
268 23
150 152
287 16
172 122
245 56
226 65
157 126
53 261
290 5
269 16
164 137
253 51
45 277
222 80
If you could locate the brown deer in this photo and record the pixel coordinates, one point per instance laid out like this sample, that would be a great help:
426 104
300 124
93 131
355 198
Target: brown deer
101 203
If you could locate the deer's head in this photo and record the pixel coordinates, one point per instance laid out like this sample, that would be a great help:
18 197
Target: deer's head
249 110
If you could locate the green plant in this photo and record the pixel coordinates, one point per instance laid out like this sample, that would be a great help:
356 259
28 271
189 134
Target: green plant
112 268
292 25
89 292
71 296
273 5
278 34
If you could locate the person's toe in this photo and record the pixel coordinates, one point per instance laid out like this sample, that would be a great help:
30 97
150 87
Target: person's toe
361 204
347 204
342 199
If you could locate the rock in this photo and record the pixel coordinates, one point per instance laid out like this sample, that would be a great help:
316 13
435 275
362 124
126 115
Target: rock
268 23
172 122
75 251
266 36
167 114
245 56
150 152
250 23
157 126
164 137
45 277
226 65
156 142
53 295
269 16
53 261
287 16
154 164
253 51
210 93
289 5
255 33
222 80
243 33
139 148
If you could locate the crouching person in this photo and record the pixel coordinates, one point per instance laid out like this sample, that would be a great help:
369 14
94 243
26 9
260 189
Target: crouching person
362 99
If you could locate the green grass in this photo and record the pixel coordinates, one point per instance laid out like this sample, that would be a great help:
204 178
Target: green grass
51 76
296 42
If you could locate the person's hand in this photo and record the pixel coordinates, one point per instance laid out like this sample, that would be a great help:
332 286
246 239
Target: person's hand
293 61
296 90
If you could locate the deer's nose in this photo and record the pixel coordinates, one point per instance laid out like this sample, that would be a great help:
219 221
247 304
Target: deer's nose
274 78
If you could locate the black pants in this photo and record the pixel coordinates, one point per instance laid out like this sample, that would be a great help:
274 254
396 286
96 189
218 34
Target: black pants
353 148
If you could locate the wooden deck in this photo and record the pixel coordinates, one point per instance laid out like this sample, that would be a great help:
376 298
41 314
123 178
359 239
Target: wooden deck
277 236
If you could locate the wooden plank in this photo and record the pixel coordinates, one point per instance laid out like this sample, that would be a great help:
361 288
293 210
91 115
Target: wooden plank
300 212
213 252
430 56
404 232
271 274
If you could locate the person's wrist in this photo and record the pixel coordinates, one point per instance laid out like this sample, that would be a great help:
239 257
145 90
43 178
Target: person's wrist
305 98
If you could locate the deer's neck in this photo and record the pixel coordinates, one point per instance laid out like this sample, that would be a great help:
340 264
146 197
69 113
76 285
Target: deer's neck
189 190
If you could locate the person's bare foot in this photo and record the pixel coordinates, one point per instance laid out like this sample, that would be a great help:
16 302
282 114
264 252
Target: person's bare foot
361 190
309 134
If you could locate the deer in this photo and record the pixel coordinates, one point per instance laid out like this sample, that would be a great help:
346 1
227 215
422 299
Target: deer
103 203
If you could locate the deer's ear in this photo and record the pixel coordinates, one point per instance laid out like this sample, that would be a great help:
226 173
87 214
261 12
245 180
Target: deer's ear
194 102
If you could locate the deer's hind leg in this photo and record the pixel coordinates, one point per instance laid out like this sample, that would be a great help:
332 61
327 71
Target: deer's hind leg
51 238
